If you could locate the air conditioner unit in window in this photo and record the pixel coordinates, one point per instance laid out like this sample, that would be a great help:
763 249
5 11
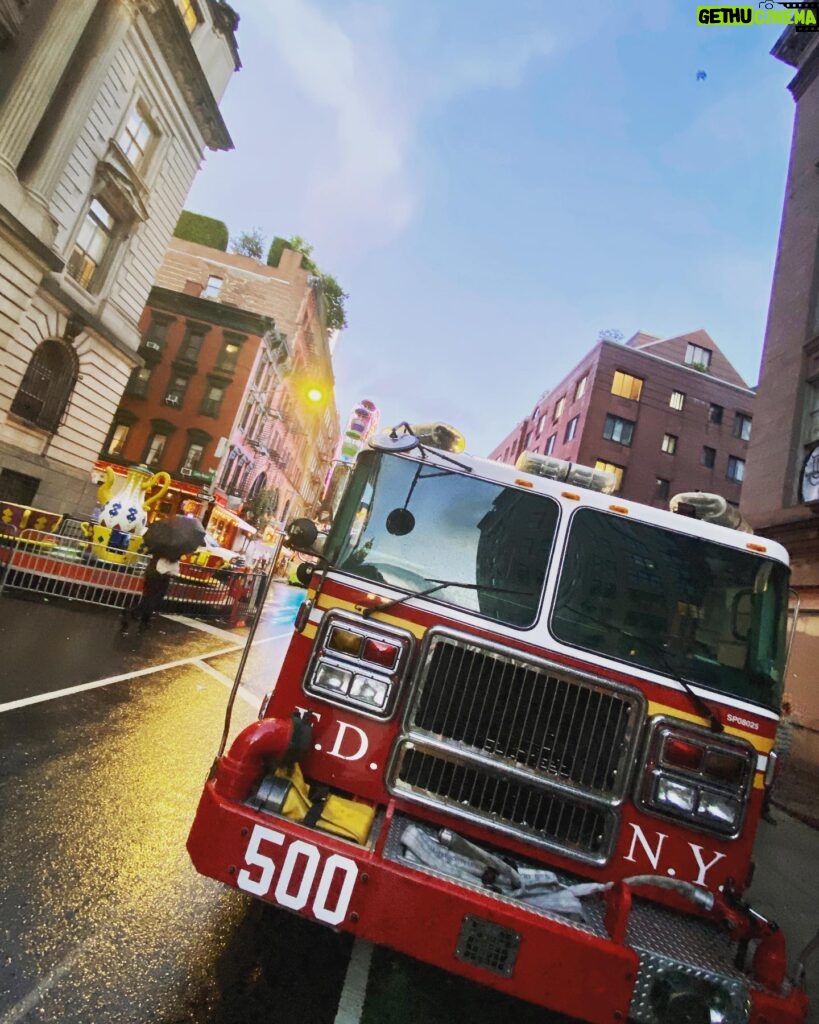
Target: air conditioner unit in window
185 471
154 345
172 399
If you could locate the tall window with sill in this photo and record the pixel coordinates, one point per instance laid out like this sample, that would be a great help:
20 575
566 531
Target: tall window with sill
708 457
736 469
627 386
93 246
212 402
193 458
138 138
118 439
614 469
190 13
228 355
191 343
155 449
213 287
742 426
669 444
138 382
580 387
559 406
618 430
156 336
175 395
47 385
662 489
697 356
571 429
677 400
551 441
715 413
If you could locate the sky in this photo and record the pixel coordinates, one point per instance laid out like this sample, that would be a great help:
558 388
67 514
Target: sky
493 184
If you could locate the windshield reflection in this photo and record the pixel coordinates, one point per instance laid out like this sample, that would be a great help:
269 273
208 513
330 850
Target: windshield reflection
464 541
674 604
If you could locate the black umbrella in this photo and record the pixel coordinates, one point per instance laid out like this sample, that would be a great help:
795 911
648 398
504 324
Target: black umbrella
173 537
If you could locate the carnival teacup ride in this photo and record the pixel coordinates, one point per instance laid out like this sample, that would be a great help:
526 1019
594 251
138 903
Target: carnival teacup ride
108 544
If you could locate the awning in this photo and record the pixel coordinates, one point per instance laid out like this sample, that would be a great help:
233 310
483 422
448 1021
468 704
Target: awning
220 512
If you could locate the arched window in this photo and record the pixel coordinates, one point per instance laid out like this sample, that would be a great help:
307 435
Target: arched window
47 385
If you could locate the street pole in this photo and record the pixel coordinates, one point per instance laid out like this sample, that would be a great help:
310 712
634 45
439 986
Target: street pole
246 652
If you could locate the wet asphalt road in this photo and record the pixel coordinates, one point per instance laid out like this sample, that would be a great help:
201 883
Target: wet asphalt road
105 741
102 918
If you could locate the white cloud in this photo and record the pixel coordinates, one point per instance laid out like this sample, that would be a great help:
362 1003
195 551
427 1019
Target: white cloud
499 66
360 189
358 186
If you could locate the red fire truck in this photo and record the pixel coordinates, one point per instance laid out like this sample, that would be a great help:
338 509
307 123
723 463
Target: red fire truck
523 732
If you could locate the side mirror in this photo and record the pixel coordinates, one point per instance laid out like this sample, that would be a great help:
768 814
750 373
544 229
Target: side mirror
301 535
304 573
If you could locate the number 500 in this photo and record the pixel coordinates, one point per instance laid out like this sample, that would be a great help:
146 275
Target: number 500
310 857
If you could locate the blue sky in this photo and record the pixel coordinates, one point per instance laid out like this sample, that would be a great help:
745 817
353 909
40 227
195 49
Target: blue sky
495 183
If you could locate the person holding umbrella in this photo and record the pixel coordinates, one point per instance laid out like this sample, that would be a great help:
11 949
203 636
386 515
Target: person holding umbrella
166 540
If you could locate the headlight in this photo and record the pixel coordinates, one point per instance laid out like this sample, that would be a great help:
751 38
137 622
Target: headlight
369 691
359 664
694 775
332 678
676 795
719 809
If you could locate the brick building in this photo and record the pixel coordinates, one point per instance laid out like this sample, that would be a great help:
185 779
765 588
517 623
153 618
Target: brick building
106 108
664 415
231 349
781 493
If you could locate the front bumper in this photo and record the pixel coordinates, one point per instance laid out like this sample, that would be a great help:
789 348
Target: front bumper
377 894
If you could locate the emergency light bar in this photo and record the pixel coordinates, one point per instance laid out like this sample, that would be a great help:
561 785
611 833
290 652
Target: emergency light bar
428 435
567 472
710 508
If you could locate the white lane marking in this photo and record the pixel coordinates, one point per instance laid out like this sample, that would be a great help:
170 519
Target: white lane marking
204 627
243 692
27 1003
40 698
354 992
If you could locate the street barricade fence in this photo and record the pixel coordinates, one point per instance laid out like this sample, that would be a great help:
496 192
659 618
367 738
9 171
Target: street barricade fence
54 565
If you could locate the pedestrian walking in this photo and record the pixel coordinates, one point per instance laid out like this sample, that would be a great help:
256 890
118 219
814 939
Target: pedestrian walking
158 575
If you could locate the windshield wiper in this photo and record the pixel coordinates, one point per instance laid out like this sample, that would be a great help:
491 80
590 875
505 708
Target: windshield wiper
440 585
704 707
700 703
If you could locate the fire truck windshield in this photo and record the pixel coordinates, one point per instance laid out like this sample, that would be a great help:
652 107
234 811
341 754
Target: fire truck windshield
675 604
414 525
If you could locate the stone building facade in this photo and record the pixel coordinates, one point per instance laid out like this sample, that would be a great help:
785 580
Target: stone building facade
781 494
233 350
664 415
106 107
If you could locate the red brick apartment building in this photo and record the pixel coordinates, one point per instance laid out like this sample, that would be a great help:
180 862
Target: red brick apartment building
781 494
231 349
664 415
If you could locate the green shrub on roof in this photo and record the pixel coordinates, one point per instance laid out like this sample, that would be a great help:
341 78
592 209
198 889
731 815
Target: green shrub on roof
196 227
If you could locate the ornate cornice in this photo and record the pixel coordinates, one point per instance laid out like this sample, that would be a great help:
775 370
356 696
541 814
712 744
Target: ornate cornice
162 17
208 311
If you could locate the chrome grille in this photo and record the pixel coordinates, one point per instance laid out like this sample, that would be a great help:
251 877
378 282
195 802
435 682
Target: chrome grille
509 803
540 751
